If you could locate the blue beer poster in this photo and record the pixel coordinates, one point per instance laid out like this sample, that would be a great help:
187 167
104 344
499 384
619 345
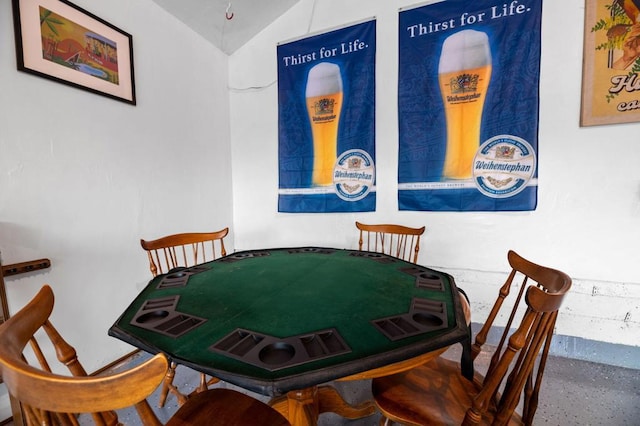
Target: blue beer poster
326 121
468 105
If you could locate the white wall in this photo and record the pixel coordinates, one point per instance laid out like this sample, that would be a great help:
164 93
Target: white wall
586 222
84 177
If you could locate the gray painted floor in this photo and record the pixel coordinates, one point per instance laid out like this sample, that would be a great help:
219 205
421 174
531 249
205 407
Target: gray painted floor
573 393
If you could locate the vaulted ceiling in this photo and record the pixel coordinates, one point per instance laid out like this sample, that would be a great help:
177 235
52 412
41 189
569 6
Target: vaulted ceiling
227 24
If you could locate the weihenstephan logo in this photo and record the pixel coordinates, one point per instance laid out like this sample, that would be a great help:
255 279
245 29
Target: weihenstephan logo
324 110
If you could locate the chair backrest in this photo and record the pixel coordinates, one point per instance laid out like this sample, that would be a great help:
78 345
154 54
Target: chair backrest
395 240
50 398
186 250
517 366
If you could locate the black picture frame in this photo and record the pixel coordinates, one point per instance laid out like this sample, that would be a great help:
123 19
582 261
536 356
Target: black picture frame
60 41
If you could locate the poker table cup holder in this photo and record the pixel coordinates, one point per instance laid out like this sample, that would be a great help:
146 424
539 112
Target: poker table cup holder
274 353
160 315
424 315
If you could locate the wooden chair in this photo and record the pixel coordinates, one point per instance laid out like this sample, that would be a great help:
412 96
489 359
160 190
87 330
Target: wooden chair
395 240
437 394
183 250
6 271
402 242
52 399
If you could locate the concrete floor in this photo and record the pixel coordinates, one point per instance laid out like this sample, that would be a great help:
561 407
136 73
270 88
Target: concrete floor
573 393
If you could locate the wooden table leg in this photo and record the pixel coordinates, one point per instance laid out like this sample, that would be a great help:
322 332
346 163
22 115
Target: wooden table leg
302 407
330 400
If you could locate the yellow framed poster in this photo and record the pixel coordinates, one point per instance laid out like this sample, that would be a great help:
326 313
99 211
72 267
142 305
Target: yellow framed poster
611 63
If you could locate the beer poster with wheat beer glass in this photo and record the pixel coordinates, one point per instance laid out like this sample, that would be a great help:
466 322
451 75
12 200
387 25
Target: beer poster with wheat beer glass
326 122
611 66
468 105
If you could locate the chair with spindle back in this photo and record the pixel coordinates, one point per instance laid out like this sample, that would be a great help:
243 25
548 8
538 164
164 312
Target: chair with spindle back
52 399
402 242
6 271
394 240
437 394
183 250
399 241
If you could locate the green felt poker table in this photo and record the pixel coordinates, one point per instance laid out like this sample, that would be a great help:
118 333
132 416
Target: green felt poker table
276 321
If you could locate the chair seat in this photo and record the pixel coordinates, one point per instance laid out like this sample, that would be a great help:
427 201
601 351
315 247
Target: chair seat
445 395
437 394
211 407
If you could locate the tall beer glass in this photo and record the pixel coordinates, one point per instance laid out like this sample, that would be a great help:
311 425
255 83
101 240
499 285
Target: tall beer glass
324 103
464 72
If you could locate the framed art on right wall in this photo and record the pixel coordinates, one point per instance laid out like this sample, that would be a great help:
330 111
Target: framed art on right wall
611 63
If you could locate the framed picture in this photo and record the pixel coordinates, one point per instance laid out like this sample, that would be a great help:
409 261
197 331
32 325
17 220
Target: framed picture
611 63
60 41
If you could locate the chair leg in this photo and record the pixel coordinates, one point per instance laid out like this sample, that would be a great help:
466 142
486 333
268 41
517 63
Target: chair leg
212 381
204 383
385 421
168 386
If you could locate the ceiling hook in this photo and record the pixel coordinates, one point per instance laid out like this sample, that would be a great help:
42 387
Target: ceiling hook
227 14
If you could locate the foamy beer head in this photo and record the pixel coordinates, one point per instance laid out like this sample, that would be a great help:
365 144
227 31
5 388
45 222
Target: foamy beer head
324 79
466 49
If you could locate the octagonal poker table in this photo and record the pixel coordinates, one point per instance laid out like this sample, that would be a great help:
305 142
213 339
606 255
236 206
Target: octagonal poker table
283 321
